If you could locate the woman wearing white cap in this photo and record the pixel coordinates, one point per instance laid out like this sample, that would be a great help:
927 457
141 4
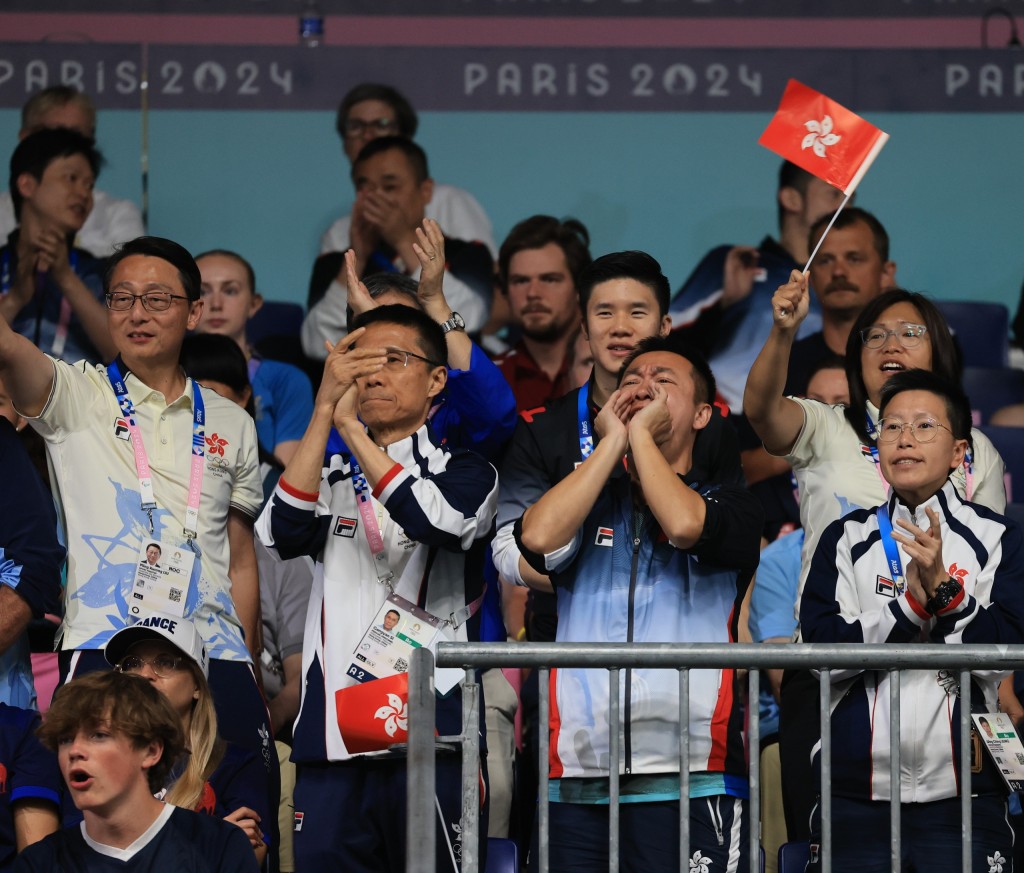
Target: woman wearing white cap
213 776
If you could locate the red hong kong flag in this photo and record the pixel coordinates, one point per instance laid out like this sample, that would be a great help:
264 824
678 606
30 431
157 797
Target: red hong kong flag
824 138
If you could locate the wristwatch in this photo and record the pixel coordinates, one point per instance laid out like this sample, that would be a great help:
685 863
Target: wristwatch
944 595
455 322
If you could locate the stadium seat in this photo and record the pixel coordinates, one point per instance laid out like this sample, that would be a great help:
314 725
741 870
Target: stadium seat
502 856
793 857
275 318
981 329
992 388
1009 442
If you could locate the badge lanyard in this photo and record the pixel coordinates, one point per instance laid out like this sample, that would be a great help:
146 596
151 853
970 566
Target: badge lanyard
370 526
968 462
195 482
583 416
60 335
892 554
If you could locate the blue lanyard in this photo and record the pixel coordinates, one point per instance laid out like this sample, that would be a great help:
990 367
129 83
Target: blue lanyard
583 416
892 555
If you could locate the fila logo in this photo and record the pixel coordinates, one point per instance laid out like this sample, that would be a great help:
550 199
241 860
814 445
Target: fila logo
121 429
605 535
298 821
345 527
885 587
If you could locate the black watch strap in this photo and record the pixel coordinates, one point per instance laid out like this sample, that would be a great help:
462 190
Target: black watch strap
944 595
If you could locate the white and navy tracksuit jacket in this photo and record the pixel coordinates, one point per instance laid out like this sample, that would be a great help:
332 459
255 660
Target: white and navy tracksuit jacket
436 508
850 597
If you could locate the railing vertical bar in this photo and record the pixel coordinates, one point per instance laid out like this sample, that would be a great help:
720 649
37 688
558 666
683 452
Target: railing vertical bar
754 746
824 711
895 783
543 735
613 770
470 773
966 782
420 784
684 769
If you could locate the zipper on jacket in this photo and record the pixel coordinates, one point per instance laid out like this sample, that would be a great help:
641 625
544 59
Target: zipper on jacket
627 744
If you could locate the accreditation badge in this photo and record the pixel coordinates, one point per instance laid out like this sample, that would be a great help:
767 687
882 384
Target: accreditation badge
387 644
162 576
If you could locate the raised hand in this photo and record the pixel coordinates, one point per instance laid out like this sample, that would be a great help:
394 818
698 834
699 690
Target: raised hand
791 302
926 570
429 248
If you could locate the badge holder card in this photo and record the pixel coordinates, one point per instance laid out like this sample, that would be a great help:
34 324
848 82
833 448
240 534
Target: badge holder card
162 577
997 734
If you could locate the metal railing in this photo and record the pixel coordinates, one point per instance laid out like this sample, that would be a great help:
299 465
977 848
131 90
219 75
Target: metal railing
670 656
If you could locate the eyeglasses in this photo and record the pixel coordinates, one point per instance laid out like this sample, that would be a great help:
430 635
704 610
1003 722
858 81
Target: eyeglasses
381 126
153 301
161 665
924 430
909 335
398 359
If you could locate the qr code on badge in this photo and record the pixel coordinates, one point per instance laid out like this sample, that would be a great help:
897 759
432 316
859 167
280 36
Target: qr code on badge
401 665
1020 757
175 595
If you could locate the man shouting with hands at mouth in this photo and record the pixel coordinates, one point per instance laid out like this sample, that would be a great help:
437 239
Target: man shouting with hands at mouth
647 557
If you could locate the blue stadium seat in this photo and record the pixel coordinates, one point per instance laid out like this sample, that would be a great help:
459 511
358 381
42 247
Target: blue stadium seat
793 857
1009 442
981 329
502 856
992 388
275 318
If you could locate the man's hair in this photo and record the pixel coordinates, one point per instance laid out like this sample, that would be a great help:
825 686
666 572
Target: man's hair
847 218
155 546
405 115
40 149
42 102
704 387
158 247
431 337
792 176
416 157
538 231
639 266
946 362
831 361
958 407
124 704
217 357
250 273
381 283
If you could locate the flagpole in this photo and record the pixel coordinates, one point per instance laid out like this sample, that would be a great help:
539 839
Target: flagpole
821 239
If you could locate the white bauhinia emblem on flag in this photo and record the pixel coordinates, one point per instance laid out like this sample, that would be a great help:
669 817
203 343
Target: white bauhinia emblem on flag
820 136
395 716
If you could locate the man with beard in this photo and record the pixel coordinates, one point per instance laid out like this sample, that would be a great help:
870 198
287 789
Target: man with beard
850 270
538 267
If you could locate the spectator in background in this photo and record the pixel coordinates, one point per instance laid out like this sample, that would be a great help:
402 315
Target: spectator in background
111 221
369 111
723 306
117 738
393 189
51 291
281 392
539 264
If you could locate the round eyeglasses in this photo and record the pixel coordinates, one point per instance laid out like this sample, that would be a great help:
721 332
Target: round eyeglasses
356 127
909 335
161 665
153 301
924 430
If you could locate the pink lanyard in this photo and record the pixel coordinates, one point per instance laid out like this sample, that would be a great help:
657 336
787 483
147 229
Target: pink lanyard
370 525
195 481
